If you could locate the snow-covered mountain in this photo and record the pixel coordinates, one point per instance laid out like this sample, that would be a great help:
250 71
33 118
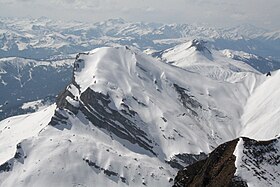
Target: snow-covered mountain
25 80
46 40
197 54
128 119
18 85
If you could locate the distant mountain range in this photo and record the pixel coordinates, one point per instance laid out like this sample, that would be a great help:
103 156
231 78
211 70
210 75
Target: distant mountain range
24 80
44 38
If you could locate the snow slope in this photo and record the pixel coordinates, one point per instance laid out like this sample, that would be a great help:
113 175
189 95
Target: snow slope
264 102
220 65
15 129
126 115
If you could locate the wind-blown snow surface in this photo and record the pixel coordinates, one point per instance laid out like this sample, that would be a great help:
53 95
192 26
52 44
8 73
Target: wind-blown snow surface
264 102
125 114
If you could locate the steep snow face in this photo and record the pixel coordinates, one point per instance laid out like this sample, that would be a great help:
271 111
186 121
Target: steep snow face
195 56
123 118
257 163
264 102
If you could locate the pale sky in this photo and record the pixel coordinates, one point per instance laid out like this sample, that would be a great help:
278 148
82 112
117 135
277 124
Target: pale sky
261 13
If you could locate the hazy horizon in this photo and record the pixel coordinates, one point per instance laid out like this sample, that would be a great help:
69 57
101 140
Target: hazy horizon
214 13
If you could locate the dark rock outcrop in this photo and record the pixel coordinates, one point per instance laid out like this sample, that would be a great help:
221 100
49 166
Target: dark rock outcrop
18 157
187 100
258 156
258 159
199 45
180 161
217 170
121 123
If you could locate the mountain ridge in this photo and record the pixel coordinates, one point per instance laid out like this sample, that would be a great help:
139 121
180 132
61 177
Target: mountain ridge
118 120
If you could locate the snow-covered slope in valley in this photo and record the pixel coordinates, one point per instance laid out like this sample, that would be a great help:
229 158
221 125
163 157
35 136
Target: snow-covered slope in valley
128 119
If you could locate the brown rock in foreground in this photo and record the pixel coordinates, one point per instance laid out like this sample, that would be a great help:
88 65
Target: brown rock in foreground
217 170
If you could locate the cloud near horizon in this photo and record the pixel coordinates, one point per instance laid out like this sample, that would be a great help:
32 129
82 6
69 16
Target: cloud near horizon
262 13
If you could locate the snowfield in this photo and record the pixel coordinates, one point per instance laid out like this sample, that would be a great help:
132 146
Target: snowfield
126 115
15 129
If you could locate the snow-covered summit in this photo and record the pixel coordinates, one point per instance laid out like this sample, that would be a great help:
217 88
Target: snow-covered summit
197 56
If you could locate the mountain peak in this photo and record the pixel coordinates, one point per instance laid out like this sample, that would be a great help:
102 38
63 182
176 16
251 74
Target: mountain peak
199 45
103 64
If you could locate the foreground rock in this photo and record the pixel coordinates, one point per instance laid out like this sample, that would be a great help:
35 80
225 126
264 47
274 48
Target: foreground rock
240 162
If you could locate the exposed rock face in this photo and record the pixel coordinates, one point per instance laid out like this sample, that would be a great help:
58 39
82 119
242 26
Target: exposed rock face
121 123
239 162
180 161
258 162
200 45
95 106
217 170
18 157
187 100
